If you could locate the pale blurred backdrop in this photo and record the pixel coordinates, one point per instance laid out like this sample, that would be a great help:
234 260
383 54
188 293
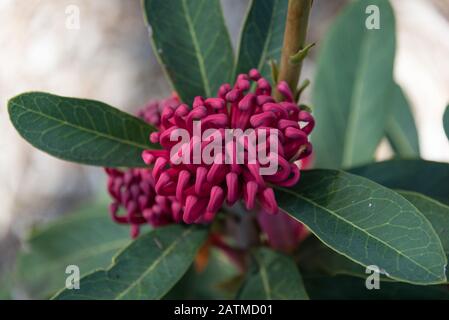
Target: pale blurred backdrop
110 59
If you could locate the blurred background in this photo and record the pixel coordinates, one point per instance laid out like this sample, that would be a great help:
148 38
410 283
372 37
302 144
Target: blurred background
109 58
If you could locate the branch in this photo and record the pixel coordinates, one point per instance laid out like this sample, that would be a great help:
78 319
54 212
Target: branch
294 42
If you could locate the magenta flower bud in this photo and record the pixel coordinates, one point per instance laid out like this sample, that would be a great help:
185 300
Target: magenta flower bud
215 103
223 90
254 74
284 89
283 232
216 199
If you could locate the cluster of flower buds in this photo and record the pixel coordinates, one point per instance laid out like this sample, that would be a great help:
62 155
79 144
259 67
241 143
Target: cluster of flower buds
133 190
202 188
151 113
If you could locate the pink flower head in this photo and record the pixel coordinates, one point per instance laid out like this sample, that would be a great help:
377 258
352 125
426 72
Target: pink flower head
203 188
133 191
151 113
282 231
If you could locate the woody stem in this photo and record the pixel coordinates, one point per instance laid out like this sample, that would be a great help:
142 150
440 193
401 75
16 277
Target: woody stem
294 41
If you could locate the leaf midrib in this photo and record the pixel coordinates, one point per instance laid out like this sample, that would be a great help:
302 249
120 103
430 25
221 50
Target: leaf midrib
155 263
358 228
264 277
201 63
355 105
97 133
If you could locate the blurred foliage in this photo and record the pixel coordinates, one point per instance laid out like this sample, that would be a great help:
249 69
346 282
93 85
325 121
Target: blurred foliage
146 269
219 280
6 286
274 276
87 238
446 121
351 288
426 177
401 128
356 99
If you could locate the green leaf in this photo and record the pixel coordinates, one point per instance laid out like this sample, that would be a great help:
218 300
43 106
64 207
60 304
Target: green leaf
367 223
352 87
147 269
80 130
192 43
275 276
446 121
401 128
6 287
314 255
87 238
350 288
211 283
426 177
436 212
262 36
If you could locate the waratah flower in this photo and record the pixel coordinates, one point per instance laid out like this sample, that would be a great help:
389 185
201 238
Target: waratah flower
133 191
282 231
202 188
151 113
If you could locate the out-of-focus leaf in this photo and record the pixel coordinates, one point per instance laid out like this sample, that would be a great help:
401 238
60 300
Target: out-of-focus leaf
275 276
211 283
87 239
426 177
316 257
6 286
368 223
192 43
351 288
352 87
147 269
401 128
446 121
